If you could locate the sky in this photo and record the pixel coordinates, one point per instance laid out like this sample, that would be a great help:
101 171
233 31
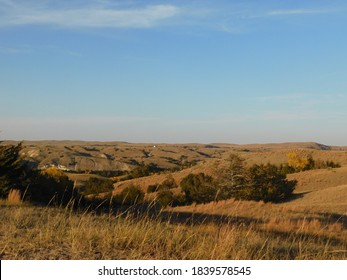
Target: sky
208 71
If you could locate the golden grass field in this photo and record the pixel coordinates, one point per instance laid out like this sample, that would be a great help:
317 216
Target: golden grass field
313 225
51 233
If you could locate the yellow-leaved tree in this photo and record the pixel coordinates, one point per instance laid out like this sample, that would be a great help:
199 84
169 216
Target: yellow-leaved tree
299 159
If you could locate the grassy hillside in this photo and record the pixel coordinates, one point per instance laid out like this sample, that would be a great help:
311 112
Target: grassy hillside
312 225
49 233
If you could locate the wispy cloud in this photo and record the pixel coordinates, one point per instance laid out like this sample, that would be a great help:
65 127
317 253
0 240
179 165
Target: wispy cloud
280 13
295 12
227 18
13 14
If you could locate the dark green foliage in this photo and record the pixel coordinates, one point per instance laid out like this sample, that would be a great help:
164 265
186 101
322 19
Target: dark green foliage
40 187
169 183
168 198
310 165
326 164
46 189
144 170
259 182
165 198
96 185
140 171
286 169
199 188
109 173
267 183
12 169
331 164
130 196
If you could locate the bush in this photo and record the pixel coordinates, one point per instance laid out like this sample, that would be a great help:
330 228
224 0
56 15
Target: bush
144 170
168 184
286 169
267 183
331 164
129 196
199 188
51 186
96 185
320 164
168 198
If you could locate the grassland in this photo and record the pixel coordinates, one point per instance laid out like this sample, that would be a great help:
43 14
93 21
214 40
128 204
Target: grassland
51 233
313 225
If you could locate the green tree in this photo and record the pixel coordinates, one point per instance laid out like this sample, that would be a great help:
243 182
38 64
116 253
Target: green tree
51 186
199 188
129 196
169 183
233 178
96 185
12 169
267 183
168 198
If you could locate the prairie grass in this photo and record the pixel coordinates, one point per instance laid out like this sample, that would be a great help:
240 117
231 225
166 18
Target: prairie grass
28 232
14 197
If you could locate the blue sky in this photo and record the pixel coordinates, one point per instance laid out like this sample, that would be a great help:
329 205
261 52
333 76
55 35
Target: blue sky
174 71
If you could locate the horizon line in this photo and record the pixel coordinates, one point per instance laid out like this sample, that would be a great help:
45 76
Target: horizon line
172 143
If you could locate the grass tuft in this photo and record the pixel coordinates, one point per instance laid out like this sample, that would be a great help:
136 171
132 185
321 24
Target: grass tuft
14 197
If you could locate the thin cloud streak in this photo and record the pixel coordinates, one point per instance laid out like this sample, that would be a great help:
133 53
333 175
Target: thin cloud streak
92 17
100 14
295 12
292 12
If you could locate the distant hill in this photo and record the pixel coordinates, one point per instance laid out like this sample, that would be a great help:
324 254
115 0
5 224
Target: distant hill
82 156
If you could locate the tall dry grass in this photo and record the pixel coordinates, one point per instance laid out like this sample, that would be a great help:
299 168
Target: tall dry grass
14 197
28 232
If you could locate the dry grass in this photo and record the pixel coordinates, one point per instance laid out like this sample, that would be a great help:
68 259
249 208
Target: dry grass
316 180
14 197
312 226
28 232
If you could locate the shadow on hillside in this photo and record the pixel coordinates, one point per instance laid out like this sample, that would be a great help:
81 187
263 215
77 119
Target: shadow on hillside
304 236
333 218
156 213
291 247
325 219
295 196
188 218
